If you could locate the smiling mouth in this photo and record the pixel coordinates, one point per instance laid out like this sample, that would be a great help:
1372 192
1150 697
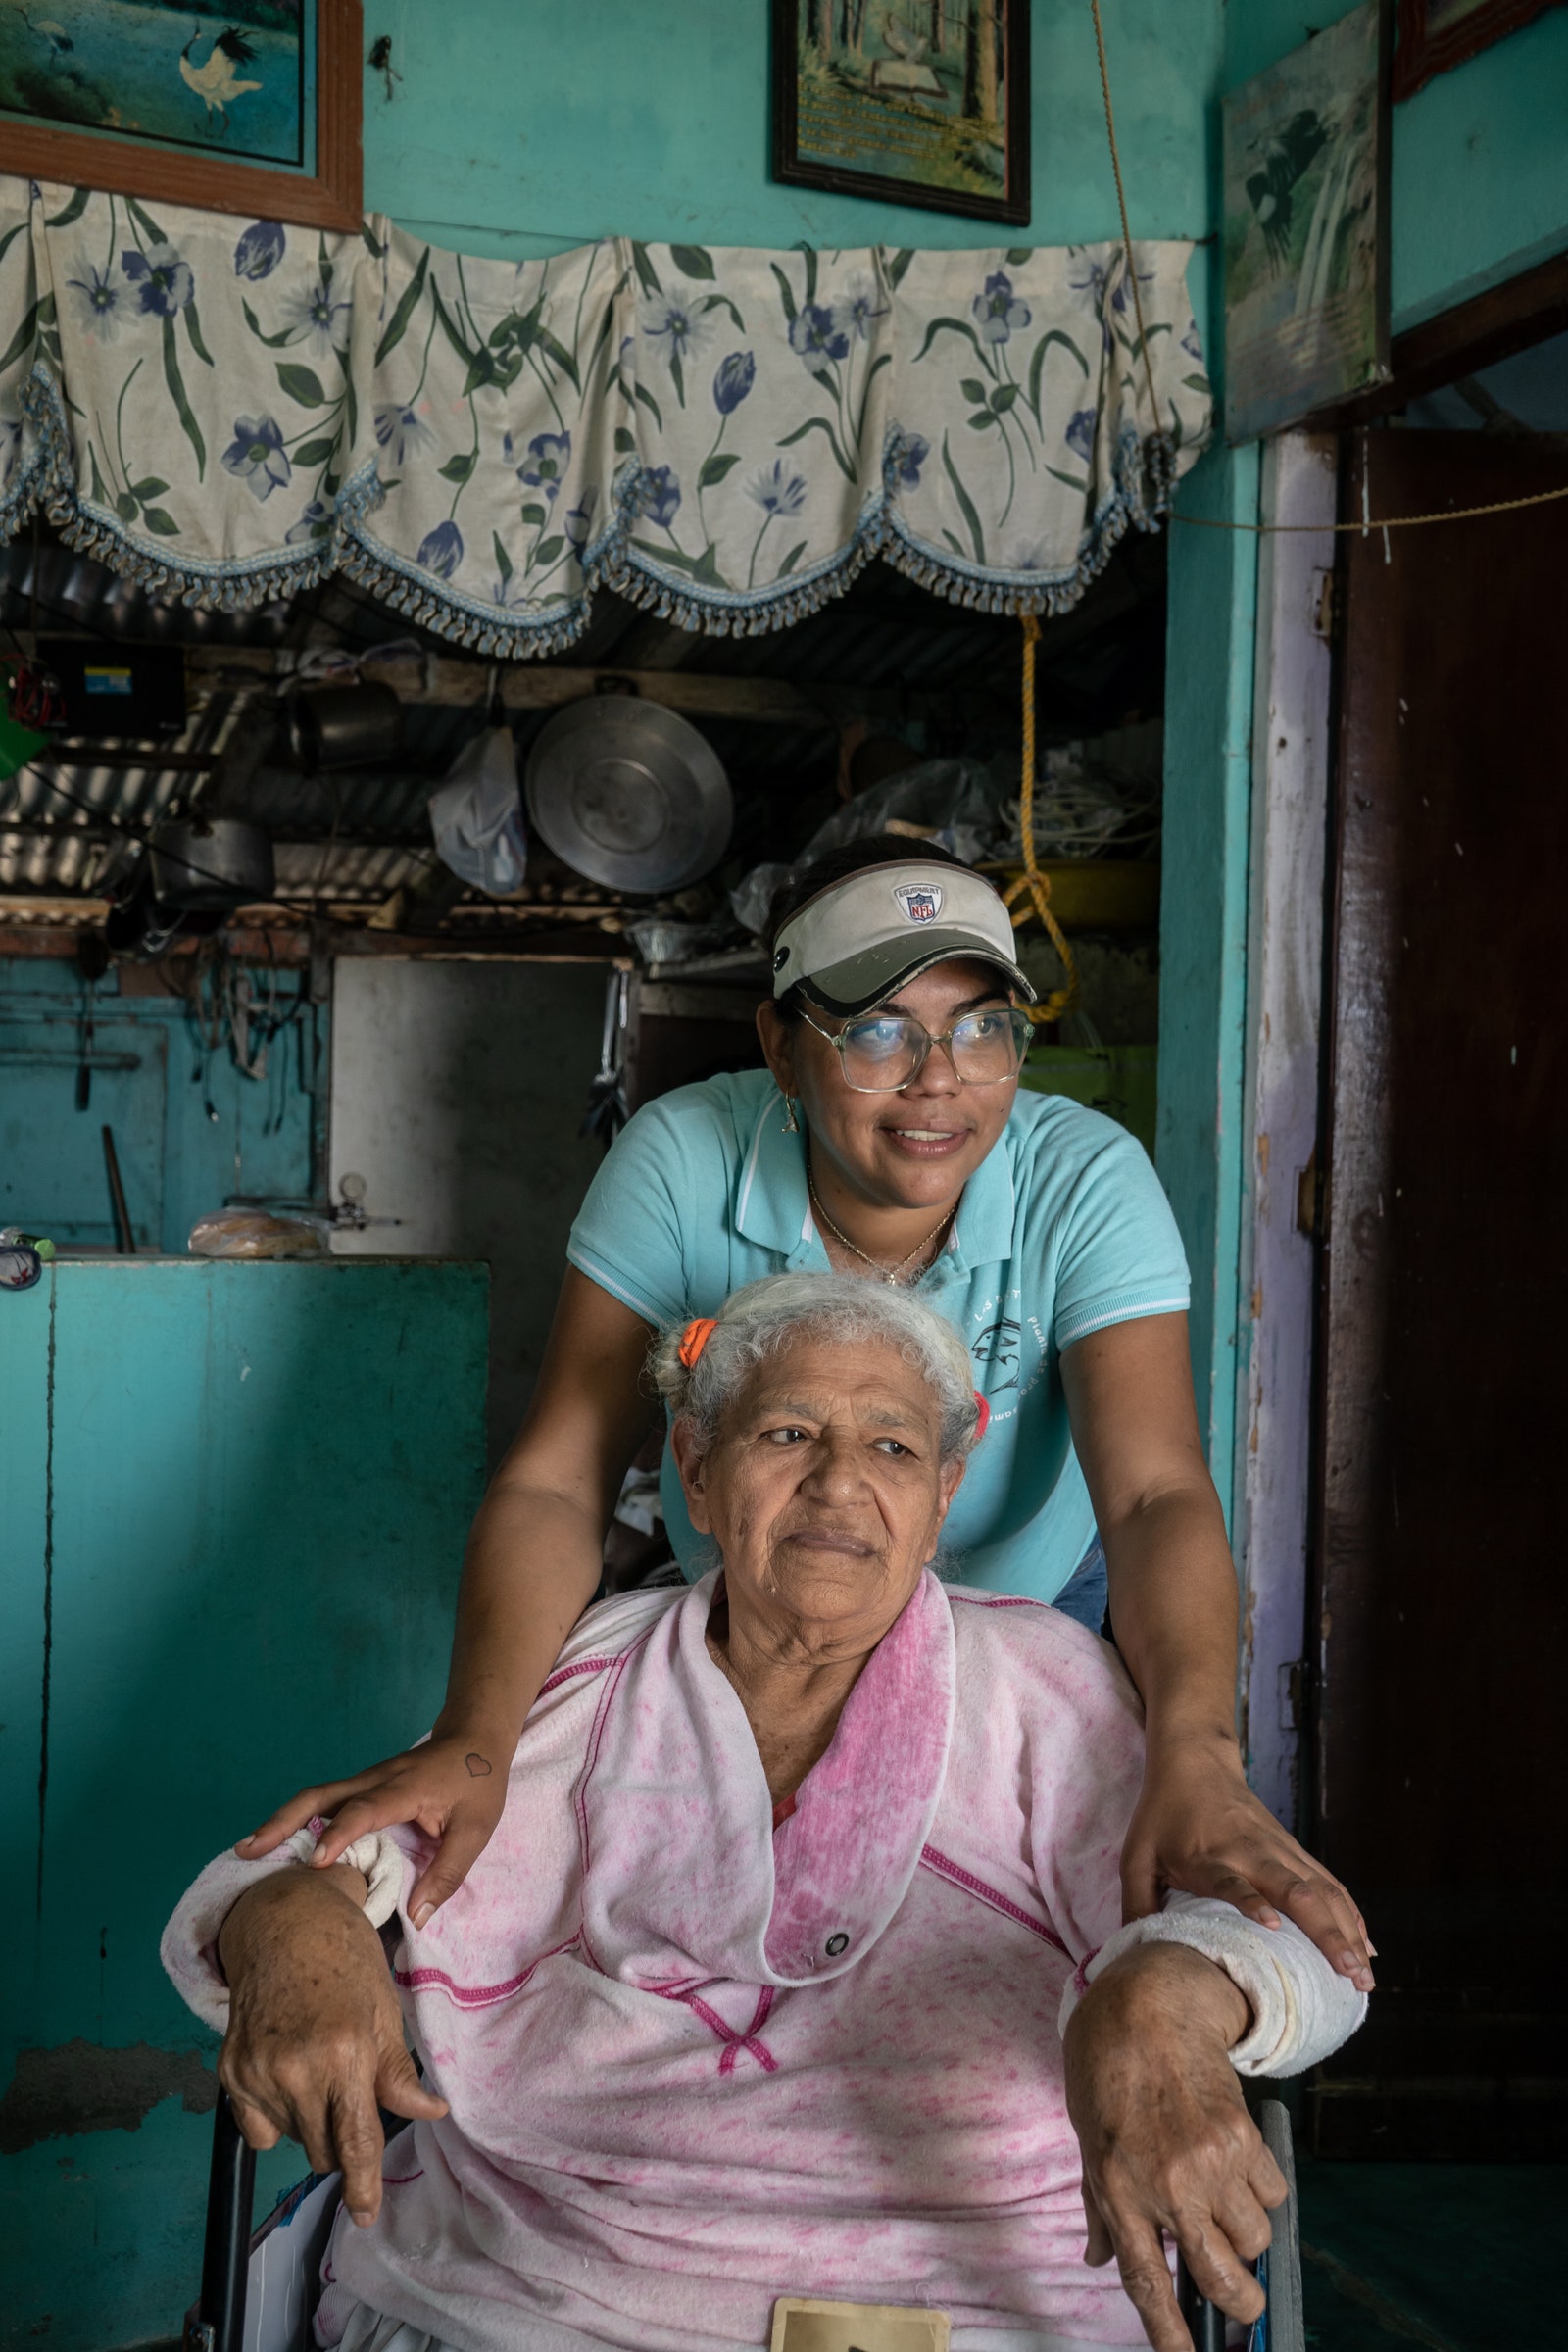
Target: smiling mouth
928 1136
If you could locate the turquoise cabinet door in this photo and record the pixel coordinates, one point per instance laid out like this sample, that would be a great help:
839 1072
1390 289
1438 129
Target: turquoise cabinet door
230 1535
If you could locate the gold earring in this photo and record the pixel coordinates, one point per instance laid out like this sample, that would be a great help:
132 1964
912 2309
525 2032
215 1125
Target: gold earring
792 1125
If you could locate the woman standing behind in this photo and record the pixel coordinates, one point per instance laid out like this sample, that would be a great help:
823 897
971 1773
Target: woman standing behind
887 1138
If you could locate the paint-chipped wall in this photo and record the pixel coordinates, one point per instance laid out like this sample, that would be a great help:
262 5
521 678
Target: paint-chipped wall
232 1524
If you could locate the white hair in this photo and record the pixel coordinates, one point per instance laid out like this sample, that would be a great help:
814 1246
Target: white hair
765 1317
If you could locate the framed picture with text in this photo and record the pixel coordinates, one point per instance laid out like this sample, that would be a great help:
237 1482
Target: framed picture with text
922 102
255 110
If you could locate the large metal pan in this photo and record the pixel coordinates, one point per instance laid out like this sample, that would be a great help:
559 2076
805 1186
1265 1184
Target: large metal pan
629 795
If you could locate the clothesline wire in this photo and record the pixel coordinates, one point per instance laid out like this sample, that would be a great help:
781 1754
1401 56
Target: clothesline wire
1211 522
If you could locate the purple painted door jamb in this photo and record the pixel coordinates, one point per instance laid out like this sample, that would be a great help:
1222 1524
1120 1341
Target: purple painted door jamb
1285 963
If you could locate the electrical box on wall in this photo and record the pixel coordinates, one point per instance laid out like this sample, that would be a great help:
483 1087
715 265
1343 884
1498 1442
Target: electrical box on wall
120 690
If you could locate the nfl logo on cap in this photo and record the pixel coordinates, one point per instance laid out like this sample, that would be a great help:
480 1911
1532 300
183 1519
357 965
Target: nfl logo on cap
921 902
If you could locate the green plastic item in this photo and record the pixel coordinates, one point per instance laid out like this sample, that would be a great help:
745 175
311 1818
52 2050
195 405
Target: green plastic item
18 746
1117 1079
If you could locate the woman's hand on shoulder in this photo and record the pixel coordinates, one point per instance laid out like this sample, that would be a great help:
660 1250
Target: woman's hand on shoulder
1198 1827
453 1788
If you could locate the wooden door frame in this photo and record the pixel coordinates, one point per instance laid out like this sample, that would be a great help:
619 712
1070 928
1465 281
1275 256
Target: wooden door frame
1526 310
1289 1014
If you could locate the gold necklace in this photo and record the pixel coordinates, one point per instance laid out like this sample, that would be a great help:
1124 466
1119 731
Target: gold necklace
864 1255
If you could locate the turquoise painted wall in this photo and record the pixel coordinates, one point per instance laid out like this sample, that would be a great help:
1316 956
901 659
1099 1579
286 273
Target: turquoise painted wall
1202 979
177 1161
231 1525
1480 187
521 129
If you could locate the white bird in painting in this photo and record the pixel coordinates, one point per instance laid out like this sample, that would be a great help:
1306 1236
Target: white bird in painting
215 84
911 46
57 39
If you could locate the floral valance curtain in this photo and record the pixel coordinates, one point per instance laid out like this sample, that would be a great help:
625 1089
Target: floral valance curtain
227 411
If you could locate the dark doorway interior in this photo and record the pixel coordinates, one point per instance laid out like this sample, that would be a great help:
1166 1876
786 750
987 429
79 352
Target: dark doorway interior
1440 1611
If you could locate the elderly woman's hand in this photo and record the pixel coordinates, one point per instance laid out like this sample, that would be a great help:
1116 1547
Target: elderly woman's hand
1166 2140
314 2042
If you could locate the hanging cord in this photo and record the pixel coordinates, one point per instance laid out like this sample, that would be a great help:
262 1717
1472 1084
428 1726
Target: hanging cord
1032 880
1121 206
1210 522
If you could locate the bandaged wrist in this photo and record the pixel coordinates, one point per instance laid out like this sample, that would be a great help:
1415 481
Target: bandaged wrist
190 1945
1302 2009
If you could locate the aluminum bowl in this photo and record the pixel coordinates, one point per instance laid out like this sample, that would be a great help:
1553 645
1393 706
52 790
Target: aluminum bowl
629 795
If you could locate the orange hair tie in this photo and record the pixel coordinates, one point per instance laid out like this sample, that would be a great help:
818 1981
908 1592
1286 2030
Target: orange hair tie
695 1338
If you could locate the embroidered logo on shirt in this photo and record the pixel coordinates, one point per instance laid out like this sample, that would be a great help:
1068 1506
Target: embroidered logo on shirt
921 902
1000 1348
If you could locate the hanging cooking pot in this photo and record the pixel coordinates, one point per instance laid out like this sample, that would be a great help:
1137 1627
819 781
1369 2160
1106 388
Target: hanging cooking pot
344 727
217 861
629 795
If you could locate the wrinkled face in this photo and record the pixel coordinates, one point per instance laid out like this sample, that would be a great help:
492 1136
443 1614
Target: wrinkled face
825 1491
919 1147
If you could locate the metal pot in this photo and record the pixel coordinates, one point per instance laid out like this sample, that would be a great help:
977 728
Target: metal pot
629 795
344 727
215 862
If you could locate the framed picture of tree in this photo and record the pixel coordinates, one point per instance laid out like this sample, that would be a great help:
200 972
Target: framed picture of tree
255 110
922 102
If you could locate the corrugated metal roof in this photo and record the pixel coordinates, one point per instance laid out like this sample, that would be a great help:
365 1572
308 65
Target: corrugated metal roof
361 834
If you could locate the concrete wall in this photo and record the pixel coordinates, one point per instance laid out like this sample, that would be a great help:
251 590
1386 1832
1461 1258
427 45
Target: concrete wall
458 1090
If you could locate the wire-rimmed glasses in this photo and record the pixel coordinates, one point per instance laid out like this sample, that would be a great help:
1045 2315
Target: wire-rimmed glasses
882 1052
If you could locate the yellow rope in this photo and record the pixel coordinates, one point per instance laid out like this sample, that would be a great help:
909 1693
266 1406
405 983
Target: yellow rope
1032 880
1208 522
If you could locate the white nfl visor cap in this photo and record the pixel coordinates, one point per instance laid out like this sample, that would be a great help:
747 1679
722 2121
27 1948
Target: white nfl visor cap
859 939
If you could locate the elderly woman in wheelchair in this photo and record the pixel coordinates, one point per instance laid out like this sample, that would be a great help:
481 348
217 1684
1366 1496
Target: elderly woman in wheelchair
796 1967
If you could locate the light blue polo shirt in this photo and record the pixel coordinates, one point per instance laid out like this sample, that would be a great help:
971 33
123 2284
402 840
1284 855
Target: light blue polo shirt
1062 1229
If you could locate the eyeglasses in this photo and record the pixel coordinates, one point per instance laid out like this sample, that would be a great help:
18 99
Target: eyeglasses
882 1052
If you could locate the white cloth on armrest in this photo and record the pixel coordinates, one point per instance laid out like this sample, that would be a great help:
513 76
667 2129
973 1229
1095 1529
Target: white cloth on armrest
1302 2009
189 1945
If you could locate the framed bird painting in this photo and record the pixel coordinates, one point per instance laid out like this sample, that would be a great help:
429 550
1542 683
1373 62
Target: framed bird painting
1307 228
253 109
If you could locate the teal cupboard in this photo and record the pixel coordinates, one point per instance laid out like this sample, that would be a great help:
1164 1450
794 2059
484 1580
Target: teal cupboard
232 1506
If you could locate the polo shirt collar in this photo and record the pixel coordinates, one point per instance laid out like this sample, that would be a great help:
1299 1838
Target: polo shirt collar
773 1209
983 1230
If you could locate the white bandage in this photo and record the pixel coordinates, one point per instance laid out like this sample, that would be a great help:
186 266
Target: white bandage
1302 2009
